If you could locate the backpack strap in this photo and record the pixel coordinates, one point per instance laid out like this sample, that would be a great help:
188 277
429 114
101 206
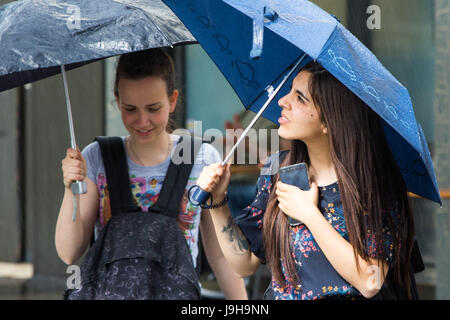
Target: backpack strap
117 177
175 181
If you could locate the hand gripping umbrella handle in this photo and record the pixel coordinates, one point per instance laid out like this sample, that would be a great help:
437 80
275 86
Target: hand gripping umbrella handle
77 187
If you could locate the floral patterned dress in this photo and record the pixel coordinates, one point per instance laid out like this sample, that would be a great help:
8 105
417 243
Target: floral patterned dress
318 278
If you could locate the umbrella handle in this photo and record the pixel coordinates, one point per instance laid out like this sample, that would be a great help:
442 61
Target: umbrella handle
199 197
77 187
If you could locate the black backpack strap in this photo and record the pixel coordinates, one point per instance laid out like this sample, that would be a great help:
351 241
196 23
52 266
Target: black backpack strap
117 177
175 182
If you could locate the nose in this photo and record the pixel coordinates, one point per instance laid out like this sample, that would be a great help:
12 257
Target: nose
143 119
283 102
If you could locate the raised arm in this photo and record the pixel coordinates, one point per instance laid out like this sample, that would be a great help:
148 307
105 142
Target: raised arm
232 241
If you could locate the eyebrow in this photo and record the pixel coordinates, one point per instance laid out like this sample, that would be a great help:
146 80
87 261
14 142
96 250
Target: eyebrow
301 94
148 105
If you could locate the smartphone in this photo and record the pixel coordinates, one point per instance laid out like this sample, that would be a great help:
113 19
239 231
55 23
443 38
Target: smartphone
296 175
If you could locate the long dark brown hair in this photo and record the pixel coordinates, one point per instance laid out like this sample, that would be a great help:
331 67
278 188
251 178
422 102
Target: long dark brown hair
147 63
370 183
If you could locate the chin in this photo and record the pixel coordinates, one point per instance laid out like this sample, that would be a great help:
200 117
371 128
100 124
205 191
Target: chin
282 133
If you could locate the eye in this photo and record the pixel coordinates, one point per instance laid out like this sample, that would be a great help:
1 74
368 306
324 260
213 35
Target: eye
153 109
300 99
128 109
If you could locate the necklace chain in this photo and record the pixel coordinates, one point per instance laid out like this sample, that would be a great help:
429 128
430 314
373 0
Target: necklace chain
140 162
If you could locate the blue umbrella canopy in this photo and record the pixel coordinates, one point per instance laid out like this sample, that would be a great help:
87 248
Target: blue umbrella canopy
38 36
254 43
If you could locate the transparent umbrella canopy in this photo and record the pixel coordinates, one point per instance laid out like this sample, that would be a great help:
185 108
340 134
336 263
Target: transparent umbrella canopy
39 40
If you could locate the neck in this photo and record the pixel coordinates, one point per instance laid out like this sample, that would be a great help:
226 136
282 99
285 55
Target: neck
152 152
322 170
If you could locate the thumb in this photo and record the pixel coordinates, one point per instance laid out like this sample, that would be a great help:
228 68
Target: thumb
314 185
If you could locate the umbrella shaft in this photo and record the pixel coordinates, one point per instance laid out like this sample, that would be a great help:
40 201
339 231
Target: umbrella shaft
272 95
69 109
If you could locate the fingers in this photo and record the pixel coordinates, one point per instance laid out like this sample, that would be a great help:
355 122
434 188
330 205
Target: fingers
73 154
210 177
283 187
227 168
73 167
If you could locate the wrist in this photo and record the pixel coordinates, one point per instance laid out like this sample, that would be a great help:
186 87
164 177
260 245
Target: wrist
217 202
218 197
312 217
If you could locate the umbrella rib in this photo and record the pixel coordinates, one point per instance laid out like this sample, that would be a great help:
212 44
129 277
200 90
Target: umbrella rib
272 94
157 27
262 92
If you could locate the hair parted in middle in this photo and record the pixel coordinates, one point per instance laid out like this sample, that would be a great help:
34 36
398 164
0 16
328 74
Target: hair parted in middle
373 192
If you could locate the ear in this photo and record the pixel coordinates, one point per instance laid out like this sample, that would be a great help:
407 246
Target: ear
173 100
324 129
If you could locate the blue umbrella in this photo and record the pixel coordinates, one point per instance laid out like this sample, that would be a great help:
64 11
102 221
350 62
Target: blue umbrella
41 38
255 43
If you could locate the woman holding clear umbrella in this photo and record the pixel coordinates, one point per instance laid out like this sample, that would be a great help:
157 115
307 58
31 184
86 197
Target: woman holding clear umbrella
341 238
146 96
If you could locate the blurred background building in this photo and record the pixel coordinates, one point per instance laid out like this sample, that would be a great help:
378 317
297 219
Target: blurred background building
411 40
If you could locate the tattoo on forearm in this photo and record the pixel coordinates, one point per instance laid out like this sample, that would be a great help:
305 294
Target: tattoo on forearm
239 243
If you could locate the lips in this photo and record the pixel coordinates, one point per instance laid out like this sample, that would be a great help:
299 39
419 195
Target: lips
144 133
283 119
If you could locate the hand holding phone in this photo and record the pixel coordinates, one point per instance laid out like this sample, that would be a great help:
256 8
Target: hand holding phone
296 175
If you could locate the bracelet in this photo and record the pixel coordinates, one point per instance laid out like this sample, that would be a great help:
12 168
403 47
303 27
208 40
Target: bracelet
217 205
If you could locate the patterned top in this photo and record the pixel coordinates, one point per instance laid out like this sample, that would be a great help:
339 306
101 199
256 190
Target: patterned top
146 183
318 278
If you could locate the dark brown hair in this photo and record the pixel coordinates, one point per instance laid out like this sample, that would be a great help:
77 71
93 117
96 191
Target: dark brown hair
370 183
147 63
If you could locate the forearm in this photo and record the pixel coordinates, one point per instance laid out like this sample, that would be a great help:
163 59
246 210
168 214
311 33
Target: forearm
232 285
233 243
339 253
69 235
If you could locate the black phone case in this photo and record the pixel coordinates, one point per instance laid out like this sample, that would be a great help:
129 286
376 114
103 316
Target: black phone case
296 175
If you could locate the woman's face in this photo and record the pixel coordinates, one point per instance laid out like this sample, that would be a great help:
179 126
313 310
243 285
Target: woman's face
299 118
145 107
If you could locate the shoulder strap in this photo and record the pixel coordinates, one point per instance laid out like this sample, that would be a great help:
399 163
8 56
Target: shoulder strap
117 177
175 181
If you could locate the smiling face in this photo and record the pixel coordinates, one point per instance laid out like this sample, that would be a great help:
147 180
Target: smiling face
145 107
300 118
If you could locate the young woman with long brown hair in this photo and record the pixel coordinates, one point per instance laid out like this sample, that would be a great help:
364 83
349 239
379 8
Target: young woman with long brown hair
356 223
